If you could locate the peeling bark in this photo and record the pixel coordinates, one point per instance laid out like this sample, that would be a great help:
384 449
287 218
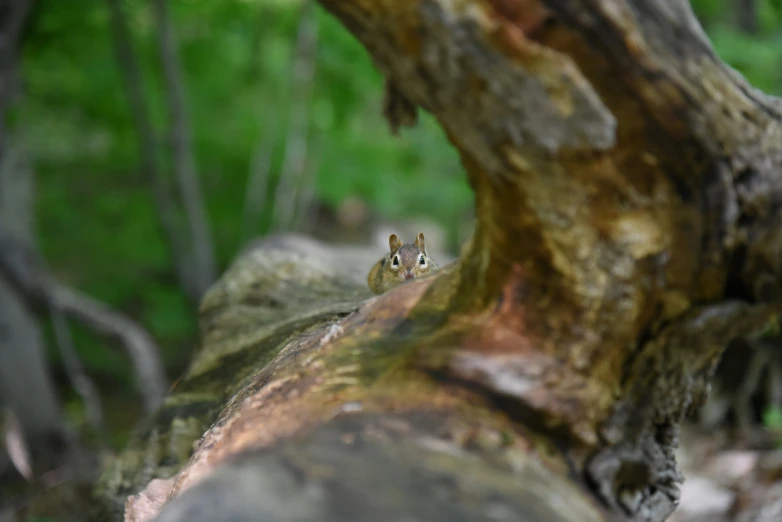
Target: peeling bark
628 226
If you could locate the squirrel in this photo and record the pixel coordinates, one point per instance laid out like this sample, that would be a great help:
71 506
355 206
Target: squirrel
402 263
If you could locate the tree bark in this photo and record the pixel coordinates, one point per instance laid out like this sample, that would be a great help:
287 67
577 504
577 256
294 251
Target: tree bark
196 216
628 227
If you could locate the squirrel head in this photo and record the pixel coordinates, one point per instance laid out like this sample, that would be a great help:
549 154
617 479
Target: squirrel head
406 262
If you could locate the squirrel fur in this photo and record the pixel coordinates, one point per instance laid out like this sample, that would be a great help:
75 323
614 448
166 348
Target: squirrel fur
402 263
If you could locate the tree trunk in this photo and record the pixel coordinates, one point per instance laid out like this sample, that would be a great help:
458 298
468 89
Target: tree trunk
13 15
165 203
293 177
628 226
196 216
747 15
25 384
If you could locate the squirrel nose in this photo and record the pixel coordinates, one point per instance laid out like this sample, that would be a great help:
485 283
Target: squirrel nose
409 274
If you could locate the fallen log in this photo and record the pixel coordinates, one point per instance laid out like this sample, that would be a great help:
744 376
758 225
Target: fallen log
627 192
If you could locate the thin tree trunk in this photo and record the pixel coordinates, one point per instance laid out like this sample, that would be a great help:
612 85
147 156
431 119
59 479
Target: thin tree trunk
13 15
165 203
25 383
303 220
259 176
265 12
200 235
747 15
295 158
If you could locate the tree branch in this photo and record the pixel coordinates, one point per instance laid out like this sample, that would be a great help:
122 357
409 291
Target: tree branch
24 270
81 383
138 343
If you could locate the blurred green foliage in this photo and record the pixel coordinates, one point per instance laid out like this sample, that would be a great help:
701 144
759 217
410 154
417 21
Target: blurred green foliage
96 217
757 56
772 421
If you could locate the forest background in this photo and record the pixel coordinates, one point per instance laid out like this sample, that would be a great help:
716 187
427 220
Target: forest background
274 111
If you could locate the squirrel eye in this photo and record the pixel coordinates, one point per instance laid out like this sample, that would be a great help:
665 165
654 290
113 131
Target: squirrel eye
395 261
422 260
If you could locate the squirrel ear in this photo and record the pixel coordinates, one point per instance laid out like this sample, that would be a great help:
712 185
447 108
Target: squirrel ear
394 243
419 242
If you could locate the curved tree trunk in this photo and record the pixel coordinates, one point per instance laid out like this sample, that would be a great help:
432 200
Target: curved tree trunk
26 385
627 189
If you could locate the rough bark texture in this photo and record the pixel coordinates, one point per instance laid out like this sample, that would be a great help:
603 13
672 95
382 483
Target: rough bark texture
628 226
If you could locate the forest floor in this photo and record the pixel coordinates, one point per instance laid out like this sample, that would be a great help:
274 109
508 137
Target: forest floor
729 478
